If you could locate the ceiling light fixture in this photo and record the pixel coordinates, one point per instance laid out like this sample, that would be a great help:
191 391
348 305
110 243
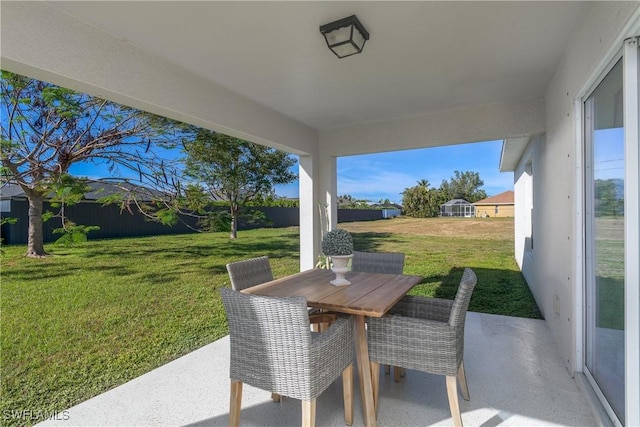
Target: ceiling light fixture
345 37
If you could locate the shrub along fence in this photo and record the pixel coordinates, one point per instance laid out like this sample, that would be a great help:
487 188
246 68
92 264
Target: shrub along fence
116 223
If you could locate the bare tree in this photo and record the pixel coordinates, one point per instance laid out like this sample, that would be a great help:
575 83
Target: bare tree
45 129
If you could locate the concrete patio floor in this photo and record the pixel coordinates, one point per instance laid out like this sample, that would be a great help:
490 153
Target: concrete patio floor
515 376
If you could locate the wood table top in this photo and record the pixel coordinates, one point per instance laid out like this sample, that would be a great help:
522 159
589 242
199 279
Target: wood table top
369 294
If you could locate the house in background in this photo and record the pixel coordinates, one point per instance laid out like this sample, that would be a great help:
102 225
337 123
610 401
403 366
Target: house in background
499 206
8 192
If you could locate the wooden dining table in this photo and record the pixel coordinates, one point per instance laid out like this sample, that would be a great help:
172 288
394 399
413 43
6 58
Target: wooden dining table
369 294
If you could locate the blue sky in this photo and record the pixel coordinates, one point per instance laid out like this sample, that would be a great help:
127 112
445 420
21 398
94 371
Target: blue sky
381 176
385 175
608 147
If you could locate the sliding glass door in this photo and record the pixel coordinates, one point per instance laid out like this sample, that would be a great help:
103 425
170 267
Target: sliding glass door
605 241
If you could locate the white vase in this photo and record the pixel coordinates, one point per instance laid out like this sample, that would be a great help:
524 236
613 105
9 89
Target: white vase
340 265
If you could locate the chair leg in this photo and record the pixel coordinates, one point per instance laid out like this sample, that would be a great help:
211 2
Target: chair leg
398 373
452 392
387 369
309 413
375 383
235 402
276 397
462 379
347 392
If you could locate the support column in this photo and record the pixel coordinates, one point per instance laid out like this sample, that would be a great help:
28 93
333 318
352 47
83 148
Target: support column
328 185
309 213
318 206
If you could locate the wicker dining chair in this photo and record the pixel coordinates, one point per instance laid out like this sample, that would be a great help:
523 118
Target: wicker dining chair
425 334
254 271
380 262
272 348
249 272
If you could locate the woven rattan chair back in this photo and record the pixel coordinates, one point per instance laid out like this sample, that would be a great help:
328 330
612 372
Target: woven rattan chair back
272 348
462 299
426 334
249 272
263 330
255 271
378 262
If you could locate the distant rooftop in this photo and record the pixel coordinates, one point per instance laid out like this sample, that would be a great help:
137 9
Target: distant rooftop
99 189
505 198
456 202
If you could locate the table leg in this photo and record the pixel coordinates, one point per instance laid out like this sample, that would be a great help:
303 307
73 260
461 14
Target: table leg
364 370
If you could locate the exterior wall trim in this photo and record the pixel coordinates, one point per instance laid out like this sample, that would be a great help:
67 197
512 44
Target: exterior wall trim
632 228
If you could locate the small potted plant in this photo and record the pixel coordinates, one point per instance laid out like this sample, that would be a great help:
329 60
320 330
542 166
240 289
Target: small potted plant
338 245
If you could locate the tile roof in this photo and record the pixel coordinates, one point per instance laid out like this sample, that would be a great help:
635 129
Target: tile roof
505 198
98 190
9 190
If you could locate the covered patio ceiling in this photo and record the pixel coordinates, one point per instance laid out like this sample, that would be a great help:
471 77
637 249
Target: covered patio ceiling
422 56
424 59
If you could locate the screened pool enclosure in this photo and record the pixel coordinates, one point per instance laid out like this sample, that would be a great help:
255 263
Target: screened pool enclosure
458 207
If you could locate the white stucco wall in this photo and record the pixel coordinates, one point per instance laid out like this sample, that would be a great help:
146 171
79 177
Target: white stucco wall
525 201
551 268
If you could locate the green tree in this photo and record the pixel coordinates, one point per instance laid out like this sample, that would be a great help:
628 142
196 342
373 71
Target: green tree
45 129
384 203
608 203
233 170
421 201
464 185
347 201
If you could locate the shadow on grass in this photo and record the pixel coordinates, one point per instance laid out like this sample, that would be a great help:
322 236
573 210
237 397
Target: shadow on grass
370 241
498 291
278 247
158 263
35 272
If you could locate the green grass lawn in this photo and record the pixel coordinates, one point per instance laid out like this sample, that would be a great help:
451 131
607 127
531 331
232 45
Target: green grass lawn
91 317
609 268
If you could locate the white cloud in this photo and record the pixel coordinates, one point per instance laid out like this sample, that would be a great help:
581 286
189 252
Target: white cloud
375 185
